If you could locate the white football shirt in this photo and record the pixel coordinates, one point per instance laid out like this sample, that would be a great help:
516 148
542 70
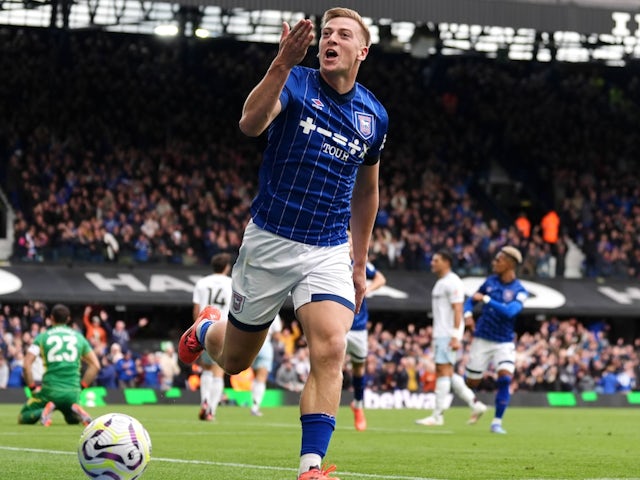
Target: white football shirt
446 291
214 289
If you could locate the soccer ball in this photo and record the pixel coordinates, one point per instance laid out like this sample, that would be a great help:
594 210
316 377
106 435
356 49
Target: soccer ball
114 446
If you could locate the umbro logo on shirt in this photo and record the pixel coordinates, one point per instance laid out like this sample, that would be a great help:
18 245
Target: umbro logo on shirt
317 103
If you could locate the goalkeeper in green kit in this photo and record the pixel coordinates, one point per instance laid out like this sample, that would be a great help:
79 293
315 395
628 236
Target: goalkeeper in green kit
62 350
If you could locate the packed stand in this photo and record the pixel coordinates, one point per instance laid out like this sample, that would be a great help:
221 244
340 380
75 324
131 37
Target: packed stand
561 355
121 365
131 153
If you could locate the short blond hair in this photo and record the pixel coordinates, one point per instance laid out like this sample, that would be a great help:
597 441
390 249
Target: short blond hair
341 12
513 253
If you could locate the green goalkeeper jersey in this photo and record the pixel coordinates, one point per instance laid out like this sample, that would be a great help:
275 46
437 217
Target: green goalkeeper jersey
62 349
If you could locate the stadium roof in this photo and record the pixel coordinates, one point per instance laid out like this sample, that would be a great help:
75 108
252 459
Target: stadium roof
564 30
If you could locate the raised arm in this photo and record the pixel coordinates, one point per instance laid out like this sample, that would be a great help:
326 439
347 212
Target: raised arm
85 319
263 103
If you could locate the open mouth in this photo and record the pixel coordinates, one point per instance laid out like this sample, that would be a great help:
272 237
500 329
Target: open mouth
330 53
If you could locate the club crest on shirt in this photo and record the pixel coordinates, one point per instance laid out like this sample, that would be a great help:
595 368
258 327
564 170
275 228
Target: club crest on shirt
364 124
507 296
237 302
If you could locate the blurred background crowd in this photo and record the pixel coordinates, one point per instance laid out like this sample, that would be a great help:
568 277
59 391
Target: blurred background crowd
561 355
125 149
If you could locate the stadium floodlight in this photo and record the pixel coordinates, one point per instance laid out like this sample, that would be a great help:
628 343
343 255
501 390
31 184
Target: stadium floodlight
202 33
166 30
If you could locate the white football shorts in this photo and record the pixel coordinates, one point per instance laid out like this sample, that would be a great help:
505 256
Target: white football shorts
357 345
269 267
443 352
484 352
265 357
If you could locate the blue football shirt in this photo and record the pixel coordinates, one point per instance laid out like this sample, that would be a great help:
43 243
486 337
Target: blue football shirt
315 146
497 318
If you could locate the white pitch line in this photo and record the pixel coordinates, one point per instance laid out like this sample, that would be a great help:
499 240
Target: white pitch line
263 467
220 464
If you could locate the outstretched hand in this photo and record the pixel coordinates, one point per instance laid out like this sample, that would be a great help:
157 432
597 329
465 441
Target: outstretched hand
295 41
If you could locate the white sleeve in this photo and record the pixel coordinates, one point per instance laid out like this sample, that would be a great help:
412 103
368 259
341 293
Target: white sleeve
34 349
197 294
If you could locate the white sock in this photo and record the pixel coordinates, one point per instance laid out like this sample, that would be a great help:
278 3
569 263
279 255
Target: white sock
309 460
443 387
217 386
463 392
257 393
206 379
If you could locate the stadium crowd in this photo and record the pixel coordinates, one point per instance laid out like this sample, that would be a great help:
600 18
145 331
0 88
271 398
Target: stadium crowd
125 149
562 355
130 153
121 365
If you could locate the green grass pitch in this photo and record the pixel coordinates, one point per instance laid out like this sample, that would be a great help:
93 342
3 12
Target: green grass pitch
542 443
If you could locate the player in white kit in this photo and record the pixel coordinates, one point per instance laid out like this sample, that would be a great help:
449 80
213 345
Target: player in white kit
212 290
447 298
262 365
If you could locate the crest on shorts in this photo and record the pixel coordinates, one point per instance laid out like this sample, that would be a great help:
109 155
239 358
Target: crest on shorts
364 124
237 302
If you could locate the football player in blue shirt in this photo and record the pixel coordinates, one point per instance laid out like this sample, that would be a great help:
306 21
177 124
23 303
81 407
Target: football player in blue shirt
502 296
319 176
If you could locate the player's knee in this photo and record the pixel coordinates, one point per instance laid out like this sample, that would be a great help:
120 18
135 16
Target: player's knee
329 357
235 365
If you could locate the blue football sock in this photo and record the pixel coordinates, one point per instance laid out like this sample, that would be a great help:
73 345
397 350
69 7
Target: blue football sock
503 395
317 429
358 388
201 333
